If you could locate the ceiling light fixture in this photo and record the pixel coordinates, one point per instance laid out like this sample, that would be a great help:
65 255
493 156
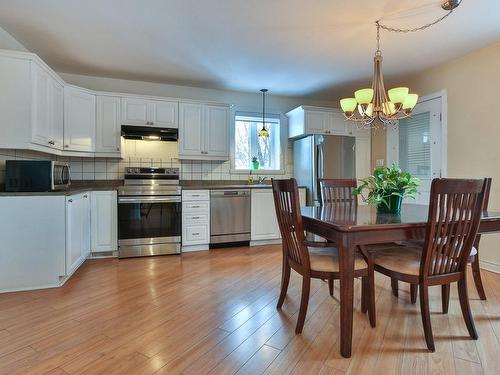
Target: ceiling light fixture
371 106
264 132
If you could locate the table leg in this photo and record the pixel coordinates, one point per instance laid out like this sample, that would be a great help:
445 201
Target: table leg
346 260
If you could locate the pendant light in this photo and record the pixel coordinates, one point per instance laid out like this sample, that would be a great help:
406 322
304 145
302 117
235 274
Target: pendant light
264 132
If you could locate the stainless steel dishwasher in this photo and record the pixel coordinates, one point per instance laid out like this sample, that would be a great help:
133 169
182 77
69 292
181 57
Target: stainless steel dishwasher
229 216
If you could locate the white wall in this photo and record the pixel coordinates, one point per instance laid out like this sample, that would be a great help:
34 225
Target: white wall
7 41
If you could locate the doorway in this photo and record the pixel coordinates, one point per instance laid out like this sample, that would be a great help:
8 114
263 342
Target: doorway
418 144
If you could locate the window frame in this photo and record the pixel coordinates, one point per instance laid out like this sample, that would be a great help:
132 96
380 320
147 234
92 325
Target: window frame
282 139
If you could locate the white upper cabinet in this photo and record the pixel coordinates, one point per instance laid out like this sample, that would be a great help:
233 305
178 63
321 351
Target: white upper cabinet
108 125
47 108
79 120
203 131
191 141
306 120
217 131
145 112
164 114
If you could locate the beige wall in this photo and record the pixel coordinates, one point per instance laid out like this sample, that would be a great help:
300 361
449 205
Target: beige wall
473 84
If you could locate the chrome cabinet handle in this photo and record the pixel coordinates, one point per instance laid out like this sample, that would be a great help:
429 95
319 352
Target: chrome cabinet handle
195 217
195 206
196 234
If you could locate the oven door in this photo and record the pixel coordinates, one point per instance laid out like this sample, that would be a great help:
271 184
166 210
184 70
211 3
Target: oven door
149 225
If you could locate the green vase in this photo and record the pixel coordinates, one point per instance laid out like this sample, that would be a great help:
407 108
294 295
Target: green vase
394 202
255 165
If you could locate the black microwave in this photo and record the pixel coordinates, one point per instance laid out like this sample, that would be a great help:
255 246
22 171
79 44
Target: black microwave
36 175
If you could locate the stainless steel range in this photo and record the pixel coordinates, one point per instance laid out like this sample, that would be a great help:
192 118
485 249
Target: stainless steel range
149 212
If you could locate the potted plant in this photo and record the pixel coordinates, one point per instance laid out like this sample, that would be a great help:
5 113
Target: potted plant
255 162
387 187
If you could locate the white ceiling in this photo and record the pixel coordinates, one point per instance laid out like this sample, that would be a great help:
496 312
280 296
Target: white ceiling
292 47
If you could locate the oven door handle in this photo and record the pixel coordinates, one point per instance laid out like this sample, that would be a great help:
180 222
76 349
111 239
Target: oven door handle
149 199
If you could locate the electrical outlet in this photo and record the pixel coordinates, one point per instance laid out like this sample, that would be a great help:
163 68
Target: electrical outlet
380 162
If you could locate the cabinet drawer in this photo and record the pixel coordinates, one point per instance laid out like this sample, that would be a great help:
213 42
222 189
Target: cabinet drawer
196 195
203 207
195 218
195 234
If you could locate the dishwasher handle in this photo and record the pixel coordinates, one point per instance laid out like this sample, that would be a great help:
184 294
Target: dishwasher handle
230 193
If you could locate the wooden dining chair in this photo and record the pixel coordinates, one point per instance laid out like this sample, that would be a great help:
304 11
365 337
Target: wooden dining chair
310 262
473 260
337 191
453 221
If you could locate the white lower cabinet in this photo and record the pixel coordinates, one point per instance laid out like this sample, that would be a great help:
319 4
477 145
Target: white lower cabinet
104 234
264 223
77 230
195 219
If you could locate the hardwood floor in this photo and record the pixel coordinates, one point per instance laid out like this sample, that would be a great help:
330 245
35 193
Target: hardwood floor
215 313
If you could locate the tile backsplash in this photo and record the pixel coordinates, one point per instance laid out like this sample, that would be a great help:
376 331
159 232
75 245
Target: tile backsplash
140 154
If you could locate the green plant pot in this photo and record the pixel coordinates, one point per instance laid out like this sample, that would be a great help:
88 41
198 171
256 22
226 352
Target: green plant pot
394 202
255 165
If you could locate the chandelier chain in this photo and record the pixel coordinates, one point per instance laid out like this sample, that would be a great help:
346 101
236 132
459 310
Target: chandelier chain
412 30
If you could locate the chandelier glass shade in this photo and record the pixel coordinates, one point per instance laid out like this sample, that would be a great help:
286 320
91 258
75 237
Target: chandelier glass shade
371 104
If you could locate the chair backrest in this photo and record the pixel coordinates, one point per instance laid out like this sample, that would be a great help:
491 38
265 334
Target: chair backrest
337 191
453 221
286 202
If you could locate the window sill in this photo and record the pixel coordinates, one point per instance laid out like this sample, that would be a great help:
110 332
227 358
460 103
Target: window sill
257 171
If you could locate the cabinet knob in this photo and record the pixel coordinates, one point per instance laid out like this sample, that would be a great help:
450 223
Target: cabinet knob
85 196
66 146
118 149
70 200
51 143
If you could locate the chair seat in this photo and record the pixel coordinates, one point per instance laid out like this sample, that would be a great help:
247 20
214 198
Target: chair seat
401 258
326 259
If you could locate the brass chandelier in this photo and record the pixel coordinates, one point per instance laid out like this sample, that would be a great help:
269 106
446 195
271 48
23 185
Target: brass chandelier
372 105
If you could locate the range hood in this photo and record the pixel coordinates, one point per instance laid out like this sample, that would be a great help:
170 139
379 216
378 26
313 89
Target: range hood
148 133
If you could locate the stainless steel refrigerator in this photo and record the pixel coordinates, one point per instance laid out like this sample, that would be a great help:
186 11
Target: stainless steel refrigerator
322 156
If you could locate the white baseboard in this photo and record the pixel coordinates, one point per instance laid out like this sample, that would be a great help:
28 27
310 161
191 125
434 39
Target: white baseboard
265 242
489 266
187 249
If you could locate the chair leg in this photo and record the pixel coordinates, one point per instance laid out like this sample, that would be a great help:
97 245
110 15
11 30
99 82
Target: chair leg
370 300
426 316
476 273
394 286
464 304
330 286
364 294
304 301
285 279
445 297
413 293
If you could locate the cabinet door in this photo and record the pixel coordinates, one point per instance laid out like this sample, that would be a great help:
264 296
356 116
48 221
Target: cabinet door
164 114
191 130
108 124
315 122
104 221
337 124
79 120
264 224
86 229
56 114
74 232
40 103
135 112
217 131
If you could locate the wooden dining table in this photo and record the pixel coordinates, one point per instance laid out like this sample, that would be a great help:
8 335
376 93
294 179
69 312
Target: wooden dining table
352 225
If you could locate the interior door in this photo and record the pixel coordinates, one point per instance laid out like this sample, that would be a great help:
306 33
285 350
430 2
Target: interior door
415 145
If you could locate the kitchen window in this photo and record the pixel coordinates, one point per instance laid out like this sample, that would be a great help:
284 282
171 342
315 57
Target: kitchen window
248 144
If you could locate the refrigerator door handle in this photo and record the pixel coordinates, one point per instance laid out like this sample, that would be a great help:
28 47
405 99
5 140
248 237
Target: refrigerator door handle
321 161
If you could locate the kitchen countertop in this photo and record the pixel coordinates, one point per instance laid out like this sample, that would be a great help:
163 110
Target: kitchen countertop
105 185
75 188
